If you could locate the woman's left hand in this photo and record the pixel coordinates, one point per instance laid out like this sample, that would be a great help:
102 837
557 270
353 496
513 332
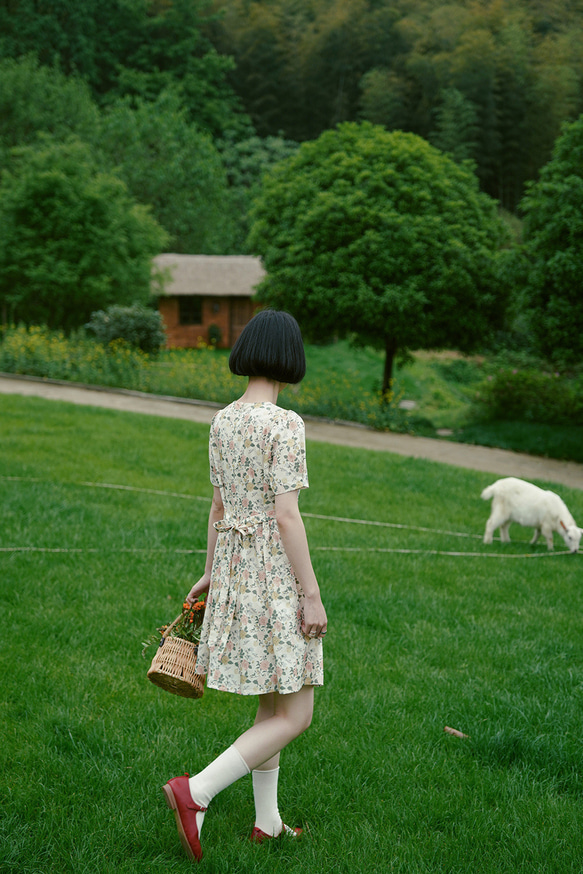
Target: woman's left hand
315 621
199 588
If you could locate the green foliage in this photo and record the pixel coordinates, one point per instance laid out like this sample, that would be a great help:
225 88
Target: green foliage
72 239
553 233
76 357
138 325
514 68
121 47
456 126
84 43
245 161
380 234
170 49
170 164
35 99
385 100
532 396
460 371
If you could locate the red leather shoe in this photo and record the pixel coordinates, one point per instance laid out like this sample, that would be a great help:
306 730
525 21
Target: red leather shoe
258 836
179 799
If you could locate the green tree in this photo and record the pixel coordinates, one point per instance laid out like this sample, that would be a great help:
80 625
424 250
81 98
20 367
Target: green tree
72 240
553 234
168 163
456 126
385 99
169 49
245 161
380 234
36 99
303 65
127 47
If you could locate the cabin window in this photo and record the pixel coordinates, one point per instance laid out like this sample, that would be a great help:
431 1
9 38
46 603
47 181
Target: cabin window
190 310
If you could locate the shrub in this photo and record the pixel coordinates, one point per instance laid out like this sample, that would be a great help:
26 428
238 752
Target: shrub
459 371
530 396
38 351
136 324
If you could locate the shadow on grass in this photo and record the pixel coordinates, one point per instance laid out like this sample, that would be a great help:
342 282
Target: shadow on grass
553 761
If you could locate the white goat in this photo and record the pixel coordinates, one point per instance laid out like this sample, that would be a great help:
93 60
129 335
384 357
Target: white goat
518 501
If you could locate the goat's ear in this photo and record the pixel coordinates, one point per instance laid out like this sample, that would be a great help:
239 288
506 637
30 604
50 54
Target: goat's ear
563 524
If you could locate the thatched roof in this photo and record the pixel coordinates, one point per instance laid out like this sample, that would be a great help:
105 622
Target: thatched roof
211 275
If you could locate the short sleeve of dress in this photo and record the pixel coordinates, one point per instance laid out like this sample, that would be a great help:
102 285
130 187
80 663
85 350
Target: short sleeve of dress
287 470
215 453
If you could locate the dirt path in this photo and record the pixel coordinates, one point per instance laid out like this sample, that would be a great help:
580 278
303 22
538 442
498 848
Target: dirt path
496 461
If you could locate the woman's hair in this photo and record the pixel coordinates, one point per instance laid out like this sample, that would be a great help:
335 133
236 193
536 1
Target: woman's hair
270 345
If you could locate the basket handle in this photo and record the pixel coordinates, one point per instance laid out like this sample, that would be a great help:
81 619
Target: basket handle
170 627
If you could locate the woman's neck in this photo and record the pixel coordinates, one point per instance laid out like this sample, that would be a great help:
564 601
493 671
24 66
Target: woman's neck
261 390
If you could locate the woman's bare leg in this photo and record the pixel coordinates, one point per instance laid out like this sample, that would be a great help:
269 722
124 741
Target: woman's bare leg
280 719
266 710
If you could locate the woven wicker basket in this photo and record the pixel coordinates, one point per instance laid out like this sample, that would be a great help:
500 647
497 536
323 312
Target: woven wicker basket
174 666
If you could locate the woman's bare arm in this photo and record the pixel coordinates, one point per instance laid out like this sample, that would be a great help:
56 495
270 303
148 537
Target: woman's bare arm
216 514
293 534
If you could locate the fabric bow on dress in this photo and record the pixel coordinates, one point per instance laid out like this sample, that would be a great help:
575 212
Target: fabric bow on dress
243 526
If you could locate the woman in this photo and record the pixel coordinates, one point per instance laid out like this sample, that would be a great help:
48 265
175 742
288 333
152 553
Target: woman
264 620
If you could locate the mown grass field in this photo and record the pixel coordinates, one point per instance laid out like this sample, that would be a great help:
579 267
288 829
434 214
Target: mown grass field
489 644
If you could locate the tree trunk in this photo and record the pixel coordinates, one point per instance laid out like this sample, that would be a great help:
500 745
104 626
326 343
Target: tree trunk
390 352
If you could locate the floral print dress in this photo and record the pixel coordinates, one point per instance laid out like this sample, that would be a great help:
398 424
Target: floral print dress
251 639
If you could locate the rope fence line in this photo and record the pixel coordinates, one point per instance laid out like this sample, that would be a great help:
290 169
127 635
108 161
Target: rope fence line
388 525
95 549
341 519
36 479
148 491
137 550
440 552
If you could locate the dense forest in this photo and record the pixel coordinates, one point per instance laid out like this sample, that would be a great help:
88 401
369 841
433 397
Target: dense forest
491 81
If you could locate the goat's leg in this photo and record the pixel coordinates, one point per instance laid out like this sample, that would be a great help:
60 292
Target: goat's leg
547 533
504 535
535 536
497 518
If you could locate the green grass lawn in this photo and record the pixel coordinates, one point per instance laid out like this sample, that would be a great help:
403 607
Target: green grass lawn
419 638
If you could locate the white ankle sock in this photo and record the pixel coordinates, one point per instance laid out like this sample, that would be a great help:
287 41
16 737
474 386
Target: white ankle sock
224 770
267 816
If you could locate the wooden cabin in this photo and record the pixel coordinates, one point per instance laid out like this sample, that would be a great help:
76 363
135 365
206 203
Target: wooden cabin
207 298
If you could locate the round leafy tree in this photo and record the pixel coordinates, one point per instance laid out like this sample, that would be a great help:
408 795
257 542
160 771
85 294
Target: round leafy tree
72 240
381 235
553 234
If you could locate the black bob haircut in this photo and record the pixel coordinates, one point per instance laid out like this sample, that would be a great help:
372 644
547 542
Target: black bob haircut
271 346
